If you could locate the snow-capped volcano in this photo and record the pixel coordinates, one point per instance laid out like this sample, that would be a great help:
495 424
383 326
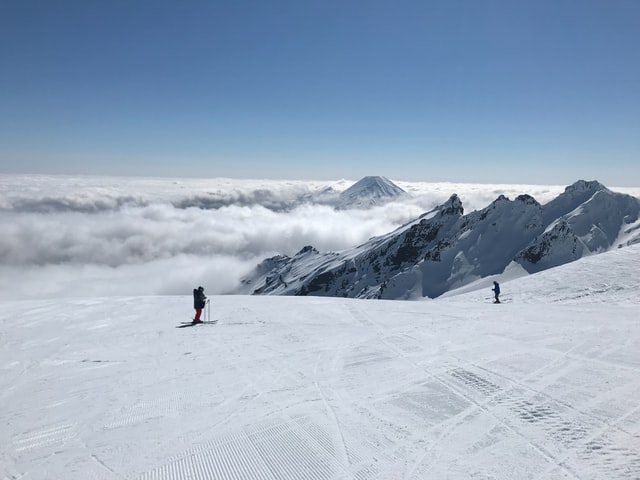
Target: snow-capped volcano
369 191
444 249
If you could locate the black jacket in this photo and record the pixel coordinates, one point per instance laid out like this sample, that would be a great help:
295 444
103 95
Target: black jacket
198 298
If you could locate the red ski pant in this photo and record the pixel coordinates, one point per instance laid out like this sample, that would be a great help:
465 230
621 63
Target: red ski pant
198 313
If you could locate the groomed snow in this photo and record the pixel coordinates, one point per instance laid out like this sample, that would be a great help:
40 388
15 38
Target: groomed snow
544 386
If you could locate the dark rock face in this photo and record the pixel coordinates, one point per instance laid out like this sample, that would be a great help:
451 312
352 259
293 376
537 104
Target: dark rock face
555 247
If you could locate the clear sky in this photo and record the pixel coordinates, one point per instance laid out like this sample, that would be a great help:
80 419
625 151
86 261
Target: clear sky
541 91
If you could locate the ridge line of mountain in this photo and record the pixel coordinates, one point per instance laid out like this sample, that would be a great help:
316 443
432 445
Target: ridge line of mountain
444 249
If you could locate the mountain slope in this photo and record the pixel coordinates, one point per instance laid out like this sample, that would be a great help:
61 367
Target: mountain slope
445 249
326 388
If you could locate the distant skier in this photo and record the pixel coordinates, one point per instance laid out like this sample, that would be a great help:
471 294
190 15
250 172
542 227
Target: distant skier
496 292
199 301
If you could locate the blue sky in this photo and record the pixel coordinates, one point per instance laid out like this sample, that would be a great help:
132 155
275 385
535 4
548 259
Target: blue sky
467 91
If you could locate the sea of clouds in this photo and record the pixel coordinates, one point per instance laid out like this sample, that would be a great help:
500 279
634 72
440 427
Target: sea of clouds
105 236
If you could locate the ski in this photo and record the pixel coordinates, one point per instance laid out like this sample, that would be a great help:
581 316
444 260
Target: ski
193 324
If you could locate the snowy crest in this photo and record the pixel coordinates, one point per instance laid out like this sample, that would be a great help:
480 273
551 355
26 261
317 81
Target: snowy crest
587 218
444 249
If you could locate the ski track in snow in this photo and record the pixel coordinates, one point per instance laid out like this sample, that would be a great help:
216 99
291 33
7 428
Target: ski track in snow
316 388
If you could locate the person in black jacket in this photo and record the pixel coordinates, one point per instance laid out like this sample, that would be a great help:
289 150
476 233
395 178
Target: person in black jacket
496 291
199 301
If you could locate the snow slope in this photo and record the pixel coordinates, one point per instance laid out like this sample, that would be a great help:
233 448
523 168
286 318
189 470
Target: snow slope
544 386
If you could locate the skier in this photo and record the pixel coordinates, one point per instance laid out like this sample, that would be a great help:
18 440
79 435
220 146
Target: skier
496 291
199 301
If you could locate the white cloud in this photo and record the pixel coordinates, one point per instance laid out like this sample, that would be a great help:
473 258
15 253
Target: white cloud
65 235
171 276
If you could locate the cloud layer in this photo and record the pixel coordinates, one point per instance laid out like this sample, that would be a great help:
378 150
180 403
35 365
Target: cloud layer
68 236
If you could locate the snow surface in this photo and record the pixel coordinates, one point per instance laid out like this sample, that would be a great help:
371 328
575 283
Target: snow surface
543 386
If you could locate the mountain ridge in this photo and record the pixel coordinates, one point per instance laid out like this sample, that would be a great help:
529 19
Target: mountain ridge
444 249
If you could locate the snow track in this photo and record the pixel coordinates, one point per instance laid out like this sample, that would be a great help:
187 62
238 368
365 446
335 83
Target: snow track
294 449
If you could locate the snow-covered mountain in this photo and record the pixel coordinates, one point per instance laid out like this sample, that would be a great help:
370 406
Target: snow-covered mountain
587 218
369 191
444 249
